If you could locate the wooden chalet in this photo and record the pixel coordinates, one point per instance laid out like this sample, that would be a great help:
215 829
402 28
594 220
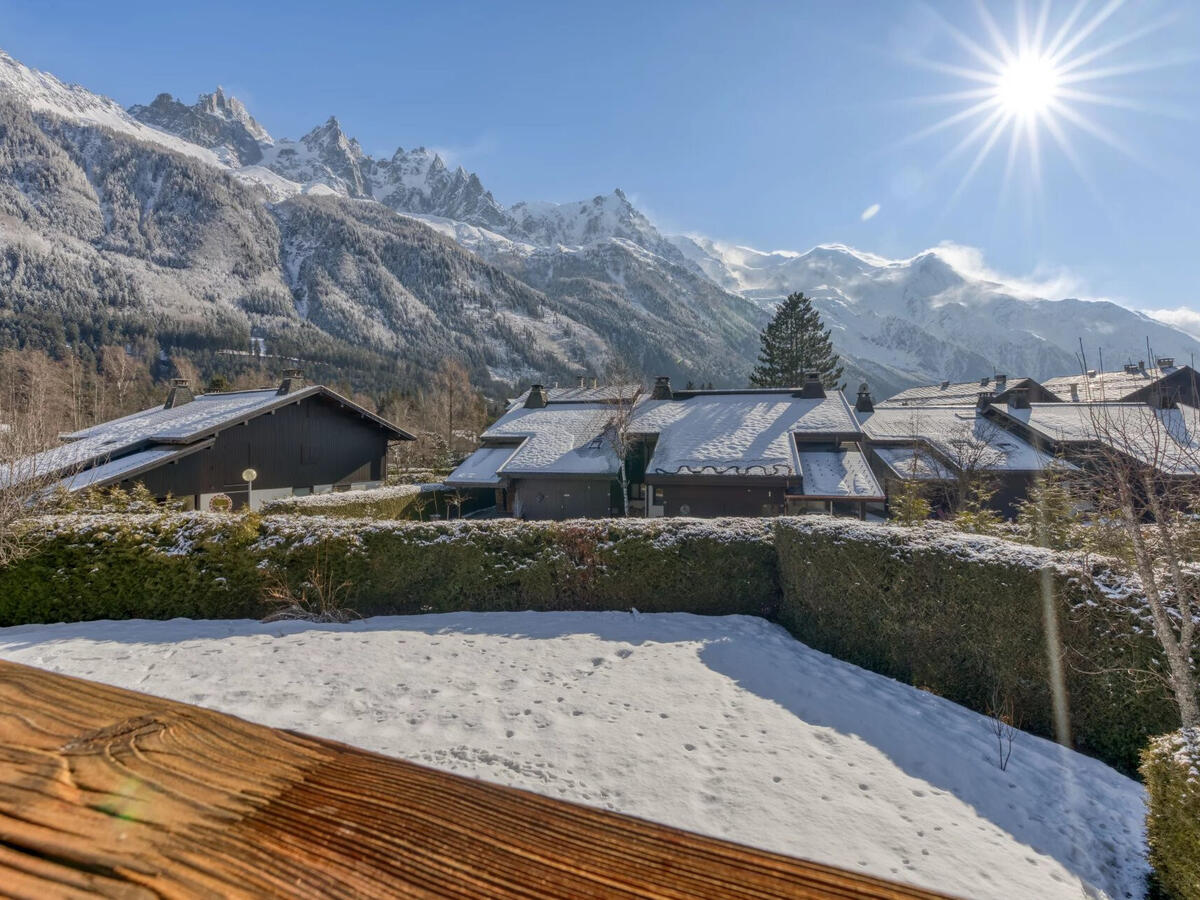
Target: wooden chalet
297 439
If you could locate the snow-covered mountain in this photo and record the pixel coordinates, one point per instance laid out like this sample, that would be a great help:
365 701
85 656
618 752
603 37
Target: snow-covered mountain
925 319
192 226
197 213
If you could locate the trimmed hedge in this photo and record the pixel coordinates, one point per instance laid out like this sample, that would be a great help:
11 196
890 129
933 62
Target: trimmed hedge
1171 770
964 617
396 502
206 565
960 615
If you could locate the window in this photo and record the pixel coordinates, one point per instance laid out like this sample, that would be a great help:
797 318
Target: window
658 495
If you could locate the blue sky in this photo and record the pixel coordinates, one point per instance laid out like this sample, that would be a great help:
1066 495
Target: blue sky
774 124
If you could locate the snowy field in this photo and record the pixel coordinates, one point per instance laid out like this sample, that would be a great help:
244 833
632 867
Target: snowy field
724 726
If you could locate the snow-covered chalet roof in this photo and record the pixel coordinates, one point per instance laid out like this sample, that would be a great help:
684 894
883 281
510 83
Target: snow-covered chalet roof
559 439
838 473
162 431
752 433
957 433
1103 386
948 393
1168 439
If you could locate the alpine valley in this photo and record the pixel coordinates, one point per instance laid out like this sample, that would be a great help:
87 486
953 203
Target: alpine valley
194 228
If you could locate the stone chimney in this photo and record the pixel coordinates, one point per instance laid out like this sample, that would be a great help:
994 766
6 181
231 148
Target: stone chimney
1001 382
984 399
813 389
983 382
1018 398
864 404
293 380
181 393
662 388
537 397
1074 392
1141 367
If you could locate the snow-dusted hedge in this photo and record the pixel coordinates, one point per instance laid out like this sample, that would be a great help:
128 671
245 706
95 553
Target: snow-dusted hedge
1171 770
207 565
960 615
396 502
965 617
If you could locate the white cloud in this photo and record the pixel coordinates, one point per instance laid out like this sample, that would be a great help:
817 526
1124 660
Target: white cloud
1183 318
870 212
1049 284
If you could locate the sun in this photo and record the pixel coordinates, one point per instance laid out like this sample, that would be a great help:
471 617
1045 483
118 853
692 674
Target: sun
1028 86
1045 80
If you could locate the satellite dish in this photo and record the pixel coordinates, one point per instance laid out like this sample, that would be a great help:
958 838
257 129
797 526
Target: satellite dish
249 475
684 509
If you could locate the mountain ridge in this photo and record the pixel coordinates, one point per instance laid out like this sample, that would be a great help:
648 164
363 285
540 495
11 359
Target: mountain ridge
615 286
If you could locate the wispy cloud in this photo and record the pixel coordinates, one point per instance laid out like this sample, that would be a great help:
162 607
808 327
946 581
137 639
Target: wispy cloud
1048 283
1183 318
870 212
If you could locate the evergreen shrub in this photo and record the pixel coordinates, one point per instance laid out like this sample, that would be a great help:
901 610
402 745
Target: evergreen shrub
1171 770
965 617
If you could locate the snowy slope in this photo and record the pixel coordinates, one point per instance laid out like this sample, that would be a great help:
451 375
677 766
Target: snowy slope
44 93
725 726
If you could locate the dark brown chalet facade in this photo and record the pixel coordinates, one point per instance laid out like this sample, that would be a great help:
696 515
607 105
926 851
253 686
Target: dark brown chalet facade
196 448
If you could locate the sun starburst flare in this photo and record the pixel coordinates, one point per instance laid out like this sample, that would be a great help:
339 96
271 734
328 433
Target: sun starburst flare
1044 78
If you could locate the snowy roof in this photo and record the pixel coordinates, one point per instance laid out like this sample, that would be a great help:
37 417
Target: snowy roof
184 424
559 439
481 468
951 393
838 473
127 466
958 433
738 433
912 464
1101 386
1166 438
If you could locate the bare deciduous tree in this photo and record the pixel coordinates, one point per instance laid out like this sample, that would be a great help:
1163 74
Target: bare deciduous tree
1142 473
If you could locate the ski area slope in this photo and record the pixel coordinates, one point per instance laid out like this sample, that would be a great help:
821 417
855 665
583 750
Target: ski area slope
724 725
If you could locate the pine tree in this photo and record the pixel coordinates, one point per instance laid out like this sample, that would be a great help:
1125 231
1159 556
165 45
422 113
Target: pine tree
907 504
1049 513
794 343
976 514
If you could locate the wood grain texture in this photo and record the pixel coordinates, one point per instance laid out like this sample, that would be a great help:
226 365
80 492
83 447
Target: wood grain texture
113 793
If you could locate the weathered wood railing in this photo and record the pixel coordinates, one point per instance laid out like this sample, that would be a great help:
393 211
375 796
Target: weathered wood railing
110 792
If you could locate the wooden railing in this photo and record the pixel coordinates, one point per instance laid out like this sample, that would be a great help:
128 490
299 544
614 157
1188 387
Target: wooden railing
110 792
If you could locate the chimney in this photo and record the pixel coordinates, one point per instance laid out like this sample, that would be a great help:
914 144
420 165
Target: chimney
662 388
1018 398
983 399
1001 381
1165 362
1074 392
813 389
293 380
181 393
537 397
983 382
1141 367
945 384
864 404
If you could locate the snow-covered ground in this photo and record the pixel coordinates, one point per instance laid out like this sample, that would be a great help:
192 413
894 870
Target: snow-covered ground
725 726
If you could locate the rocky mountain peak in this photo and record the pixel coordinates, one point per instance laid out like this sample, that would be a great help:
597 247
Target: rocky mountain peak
216 121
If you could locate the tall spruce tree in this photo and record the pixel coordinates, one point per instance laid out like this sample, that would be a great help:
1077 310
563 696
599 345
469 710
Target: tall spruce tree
795 343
